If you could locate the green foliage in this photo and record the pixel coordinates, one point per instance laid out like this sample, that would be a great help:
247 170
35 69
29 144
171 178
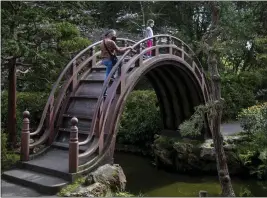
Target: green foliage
239 91
253 152
71 187
253 119
195 124
8 158
245 192
34 102
140 120
41 40
126 194
165 142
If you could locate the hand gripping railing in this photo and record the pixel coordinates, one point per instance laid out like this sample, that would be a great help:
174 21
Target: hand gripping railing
103 104
51 108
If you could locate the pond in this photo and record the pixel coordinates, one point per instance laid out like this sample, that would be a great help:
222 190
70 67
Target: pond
143 178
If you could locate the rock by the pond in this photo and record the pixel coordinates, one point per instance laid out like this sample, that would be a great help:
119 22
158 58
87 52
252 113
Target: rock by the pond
109 175
105 181
195 156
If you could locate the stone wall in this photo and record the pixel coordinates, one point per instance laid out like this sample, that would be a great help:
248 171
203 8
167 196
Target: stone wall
192 156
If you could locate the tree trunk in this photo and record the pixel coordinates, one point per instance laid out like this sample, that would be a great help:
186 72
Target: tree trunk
223 173
11 123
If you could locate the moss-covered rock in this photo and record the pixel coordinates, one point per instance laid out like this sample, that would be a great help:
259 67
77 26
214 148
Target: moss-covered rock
94 190
109 175
105 181
194 156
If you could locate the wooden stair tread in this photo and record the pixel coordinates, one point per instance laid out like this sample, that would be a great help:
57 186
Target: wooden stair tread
69 130
36 180
78 116
89 96
91 81
55 162
66 146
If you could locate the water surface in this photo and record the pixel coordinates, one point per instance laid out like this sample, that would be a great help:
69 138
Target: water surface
143 178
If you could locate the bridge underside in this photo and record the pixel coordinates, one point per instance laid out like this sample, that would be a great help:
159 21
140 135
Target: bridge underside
178 92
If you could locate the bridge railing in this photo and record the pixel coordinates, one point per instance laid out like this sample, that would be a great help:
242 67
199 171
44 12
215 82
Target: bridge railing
78 67
168 43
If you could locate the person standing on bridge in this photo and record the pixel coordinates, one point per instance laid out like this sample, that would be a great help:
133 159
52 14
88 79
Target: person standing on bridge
108 49
149 33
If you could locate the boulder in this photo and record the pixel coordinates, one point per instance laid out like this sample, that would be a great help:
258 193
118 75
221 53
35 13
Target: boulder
109 175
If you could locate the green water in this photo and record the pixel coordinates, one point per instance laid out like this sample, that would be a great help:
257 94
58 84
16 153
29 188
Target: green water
143 178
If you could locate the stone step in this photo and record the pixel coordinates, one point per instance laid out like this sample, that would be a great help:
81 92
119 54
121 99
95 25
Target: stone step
45 184
55 163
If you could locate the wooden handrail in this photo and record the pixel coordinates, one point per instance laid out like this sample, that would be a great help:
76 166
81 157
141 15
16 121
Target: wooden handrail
56 85
103 114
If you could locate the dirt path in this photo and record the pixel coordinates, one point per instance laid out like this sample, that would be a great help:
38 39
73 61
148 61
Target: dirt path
231 128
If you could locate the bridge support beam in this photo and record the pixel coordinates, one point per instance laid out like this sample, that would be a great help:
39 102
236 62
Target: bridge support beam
25 137
73 147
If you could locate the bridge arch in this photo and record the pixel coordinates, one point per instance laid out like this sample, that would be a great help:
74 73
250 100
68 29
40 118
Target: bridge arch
174 72
169 57
177 89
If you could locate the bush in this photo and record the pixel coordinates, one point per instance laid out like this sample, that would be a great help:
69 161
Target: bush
8 158
254 119
239 91
34 102
140 120
253 152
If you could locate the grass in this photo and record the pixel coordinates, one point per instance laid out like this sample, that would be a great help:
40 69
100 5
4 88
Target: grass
71 187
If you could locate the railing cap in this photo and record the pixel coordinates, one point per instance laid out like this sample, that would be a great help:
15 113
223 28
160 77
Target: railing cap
26 114
74 121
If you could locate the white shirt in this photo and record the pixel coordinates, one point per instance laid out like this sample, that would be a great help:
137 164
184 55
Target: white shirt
149 32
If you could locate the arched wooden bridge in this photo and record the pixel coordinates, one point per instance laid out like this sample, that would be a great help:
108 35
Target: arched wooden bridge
64 153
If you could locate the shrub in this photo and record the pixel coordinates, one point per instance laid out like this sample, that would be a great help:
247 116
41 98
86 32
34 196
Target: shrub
239 91
34 102
140 120
8 158
254 119
253 152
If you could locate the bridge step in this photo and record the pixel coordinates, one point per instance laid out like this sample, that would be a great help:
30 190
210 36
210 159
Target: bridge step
66 146
84 97
84 123
91 81
43 183
80 131
89 87
96 76
78 116
99 69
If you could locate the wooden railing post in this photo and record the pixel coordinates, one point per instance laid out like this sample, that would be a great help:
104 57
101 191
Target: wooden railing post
154 44
94 59
50 121
25 137
73 146
182 51
73 70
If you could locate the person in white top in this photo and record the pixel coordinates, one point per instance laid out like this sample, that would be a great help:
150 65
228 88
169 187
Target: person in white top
149 33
